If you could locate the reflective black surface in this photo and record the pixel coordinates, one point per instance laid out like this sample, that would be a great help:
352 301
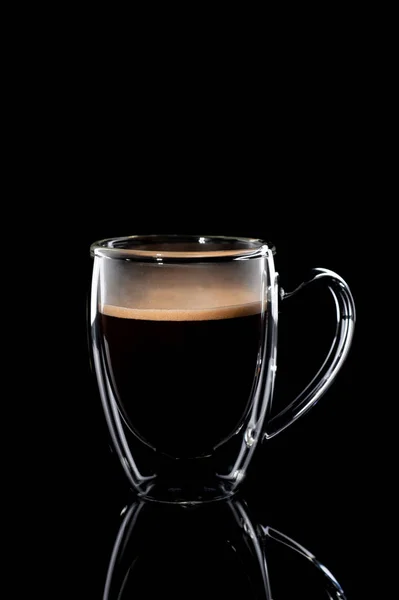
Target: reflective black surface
215 549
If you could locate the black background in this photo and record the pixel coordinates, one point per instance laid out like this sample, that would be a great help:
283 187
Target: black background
137 152
279 137
309 481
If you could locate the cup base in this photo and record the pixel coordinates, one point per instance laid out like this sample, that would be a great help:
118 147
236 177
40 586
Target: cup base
186 494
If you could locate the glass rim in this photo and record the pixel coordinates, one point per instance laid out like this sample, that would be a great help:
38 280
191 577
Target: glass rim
220 248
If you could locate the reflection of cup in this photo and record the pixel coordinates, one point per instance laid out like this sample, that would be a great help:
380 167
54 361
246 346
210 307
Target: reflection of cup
210 551
184 334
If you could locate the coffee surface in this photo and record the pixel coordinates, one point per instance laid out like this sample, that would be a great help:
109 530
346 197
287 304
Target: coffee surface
199 314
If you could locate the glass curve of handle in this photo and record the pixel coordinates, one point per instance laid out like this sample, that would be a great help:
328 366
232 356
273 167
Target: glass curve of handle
333 588
346 316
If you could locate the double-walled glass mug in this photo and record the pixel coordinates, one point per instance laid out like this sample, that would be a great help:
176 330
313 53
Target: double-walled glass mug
184 332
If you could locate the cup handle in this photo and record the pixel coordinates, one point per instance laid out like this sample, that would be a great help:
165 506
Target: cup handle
346 316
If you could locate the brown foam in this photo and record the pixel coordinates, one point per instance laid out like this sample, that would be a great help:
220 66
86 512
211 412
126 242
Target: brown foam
171 314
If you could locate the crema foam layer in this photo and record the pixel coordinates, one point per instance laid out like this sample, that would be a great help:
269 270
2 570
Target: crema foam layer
196 314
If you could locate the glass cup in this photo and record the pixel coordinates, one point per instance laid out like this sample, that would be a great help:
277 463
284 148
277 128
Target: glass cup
184 332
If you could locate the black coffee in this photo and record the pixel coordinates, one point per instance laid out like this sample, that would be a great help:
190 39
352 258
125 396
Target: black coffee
182 379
